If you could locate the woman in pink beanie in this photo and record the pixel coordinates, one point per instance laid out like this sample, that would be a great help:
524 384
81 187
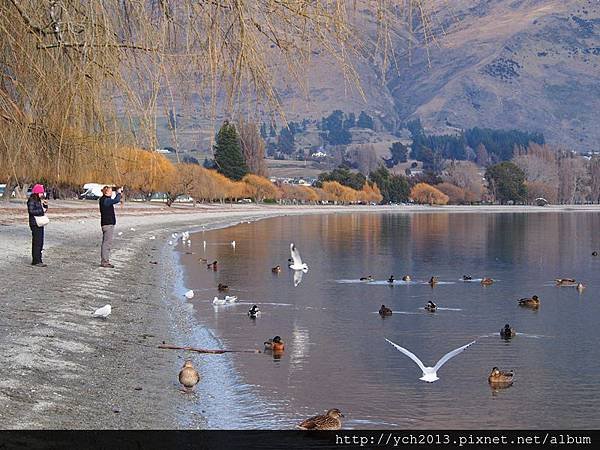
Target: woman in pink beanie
37 205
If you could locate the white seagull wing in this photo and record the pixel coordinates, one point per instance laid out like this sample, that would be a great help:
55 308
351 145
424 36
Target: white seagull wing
410 355
444 359
295 255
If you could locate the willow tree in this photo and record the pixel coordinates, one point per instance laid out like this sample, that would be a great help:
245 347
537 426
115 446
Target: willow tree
79 80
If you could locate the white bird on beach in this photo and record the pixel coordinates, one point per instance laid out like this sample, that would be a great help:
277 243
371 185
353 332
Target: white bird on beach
297 263
174 235
219 301
103 312
189 294
233 244
430 373
170 242
120 233
132 229
152 238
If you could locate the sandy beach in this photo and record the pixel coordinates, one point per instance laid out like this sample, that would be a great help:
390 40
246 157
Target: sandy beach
61 369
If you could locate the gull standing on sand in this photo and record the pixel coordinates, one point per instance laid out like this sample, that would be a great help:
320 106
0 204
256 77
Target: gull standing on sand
103 312
189 294
233 244
430 373
297 263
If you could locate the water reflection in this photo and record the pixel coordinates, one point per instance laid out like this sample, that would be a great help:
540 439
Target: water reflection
335 353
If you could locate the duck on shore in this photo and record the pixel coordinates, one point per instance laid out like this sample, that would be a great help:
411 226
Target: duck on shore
391 279
276 269
328 421
222 287
487 281
275 344
385 311
500 377
533 302
565 282
188 376
406 278
430 306
368 278
507 332
253 312
433 281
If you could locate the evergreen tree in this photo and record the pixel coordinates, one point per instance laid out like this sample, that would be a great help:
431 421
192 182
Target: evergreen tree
506 182
350 121
286 141
228 153
272 130
263 130
365 121
399 152
394 188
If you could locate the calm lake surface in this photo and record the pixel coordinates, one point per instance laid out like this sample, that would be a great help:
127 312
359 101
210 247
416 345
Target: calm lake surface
336 355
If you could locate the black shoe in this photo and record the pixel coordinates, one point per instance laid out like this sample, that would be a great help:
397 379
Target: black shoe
40 264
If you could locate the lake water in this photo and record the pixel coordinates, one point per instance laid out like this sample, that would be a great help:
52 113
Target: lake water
336 355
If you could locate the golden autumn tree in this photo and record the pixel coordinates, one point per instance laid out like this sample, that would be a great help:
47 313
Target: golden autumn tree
260 188
426 194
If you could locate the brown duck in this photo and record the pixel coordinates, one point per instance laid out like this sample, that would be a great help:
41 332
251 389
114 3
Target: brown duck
276 269
566 282
222 287
385 311
189 376
533 302
507 332
328 421
275 344
433 281
498 376
487 281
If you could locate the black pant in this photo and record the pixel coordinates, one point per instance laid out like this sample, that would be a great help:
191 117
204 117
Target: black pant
37 243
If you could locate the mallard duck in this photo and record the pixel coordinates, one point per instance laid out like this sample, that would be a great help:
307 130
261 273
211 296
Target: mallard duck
222 287
275 344
487 281
467 277
532 302
430 306
367 278
433 281
328 421
189 376
406 278
580 287
253 312
498 376
507 332
391 279
566 282
212 265
385 311
276 269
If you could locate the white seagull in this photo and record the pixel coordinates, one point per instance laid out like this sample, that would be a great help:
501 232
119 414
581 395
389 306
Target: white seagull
297 263
230 298
103 312
204 245
189 294
233 244
219 301
430 373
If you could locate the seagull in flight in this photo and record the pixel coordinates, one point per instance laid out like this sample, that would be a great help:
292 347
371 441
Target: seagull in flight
297 263
430 373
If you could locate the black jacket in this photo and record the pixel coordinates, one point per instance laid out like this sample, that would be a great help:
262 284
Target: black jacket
107 209
35 208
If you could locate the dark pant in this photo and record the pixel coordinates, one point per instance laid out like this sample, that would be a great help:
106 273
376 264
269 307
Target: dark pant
37 243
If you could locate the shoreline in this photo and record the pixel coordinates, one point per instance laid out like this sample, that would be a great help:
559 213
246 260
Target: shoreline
61 368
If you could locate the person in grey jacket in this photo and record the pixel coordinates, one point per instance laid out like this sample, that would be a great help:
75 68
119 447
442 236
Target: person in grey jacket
107 222
37 205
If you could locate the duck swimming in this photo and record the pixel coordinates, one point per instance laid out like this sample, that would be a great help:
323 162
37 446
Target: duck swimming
533 302
565 282
254 312
467 277
507 332
433 281
391 279
498 376
328 421
212 265
487 281
406 278
430 306
222 287
367 278
594 253
385 311
275 344
276 269
188 376
580 287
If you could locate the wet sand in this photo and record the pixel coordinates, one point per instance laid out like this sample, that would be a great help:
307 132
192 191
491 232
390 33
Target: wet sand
61 369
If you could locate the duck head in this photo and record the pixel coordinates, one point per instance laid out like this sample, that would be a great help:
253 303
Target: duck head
188 364
277 339
335 413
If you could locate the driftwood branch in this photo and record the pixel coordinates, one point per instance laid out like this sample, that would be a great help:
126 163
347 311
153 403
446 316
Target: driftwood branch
105 45
204 350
